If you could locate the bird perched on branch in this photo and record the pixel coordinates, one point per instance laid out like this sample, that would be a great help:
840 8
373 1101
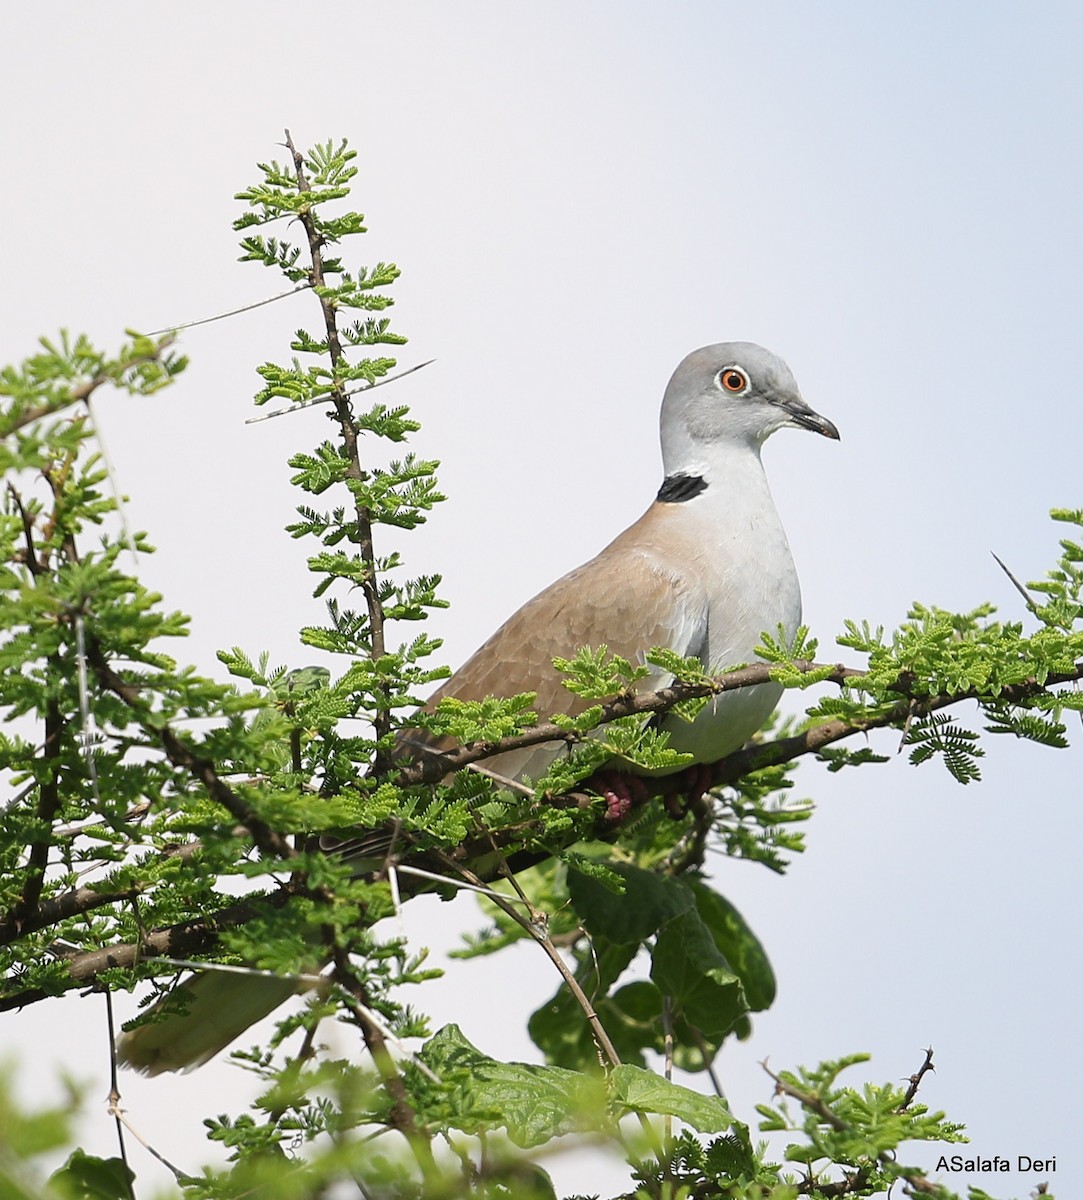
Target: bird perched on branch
704 572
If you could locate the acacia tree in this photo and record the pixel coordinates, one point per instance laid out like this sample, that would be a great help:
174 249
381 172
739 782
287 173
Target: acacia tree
156 816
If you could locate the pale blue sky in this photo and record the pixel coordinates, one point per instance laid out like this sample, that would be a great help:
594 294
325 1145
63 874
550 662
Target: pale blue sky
886 195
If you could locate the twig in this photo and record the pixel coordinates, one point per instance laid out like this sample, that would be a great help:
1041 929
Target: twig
114 1086
807 1100
438 763
857 1181
184 938
916 1078
34 565
513 785
76 902
82 391
708 1064
306 977
536 927
179 1175
48 807
458 883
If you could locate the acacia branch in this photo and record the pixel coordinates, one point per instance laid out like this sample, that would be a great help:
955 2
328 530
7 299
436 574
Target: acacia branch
80 392
915 1080
809 1100
767 754
348 428
858 1180
402 1116
435 764
82 900
199 935
48 807
268 840
182 940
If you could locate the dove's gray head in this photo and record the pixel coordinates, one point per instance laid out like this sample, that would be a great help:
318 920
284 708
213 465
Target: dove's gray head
735 394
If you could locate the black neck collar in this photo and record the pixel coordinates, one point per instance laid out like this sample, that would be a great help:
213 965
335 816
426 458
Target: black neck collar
677 488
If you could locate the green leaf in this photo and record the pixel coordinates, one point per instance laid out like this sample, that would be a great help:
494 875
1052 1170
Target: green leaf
689 967
85 1177
595 674
740 947
640 1091
534 1104
633 914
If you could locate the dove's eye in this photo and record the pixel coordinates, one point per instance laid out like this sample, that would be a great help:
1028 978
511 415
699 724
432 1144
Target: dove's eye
732 380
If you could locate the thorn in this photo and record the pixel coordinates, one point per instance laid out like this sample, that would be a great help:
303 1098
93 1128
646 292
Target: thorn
1018 586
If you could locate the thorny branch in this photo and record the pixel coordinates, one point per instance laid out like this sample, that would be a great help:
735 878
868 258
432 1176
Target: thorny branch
348 430
916 1078
402 1116
434 765
201 769
858 1180
18 418
199 934
79 901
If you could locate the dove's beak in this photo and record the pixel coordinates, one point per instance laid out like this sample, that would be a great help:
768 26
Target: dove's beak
803 417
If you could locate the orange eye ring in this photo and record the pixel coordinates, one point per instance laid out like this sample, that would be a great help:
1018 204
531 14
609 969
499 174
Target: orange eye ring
733 380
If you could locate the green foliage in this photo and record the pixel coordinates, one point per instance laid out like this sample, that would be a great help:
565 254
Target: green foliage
859 1130
786 655
938 658
957 746
708 970
84 1177
28 1136
271 821
595 674
489 720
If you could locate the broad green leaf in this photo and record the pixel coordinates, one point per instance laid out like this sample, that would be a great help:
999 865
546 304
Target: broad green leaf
738 944
533 1103
85 1177
645 1092
689 967
633 915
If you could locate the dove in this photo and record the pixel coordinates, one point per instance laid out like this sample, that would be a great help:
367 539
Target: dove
705 571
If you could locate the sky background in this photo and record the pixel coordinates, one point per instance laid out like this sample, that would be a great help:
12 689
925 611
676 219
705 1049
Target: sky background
886 195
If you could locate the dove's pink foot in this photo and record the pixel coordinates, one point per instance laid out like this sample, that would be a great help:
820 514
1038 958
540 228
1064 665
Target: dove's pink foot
621 792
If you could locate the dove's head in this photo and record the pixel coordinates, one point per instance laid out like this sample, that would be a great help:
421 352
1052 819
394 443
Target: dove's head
730 395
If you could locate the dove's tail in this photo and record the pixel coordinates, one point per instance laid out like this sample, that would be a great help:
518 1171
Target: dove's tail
201 1017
